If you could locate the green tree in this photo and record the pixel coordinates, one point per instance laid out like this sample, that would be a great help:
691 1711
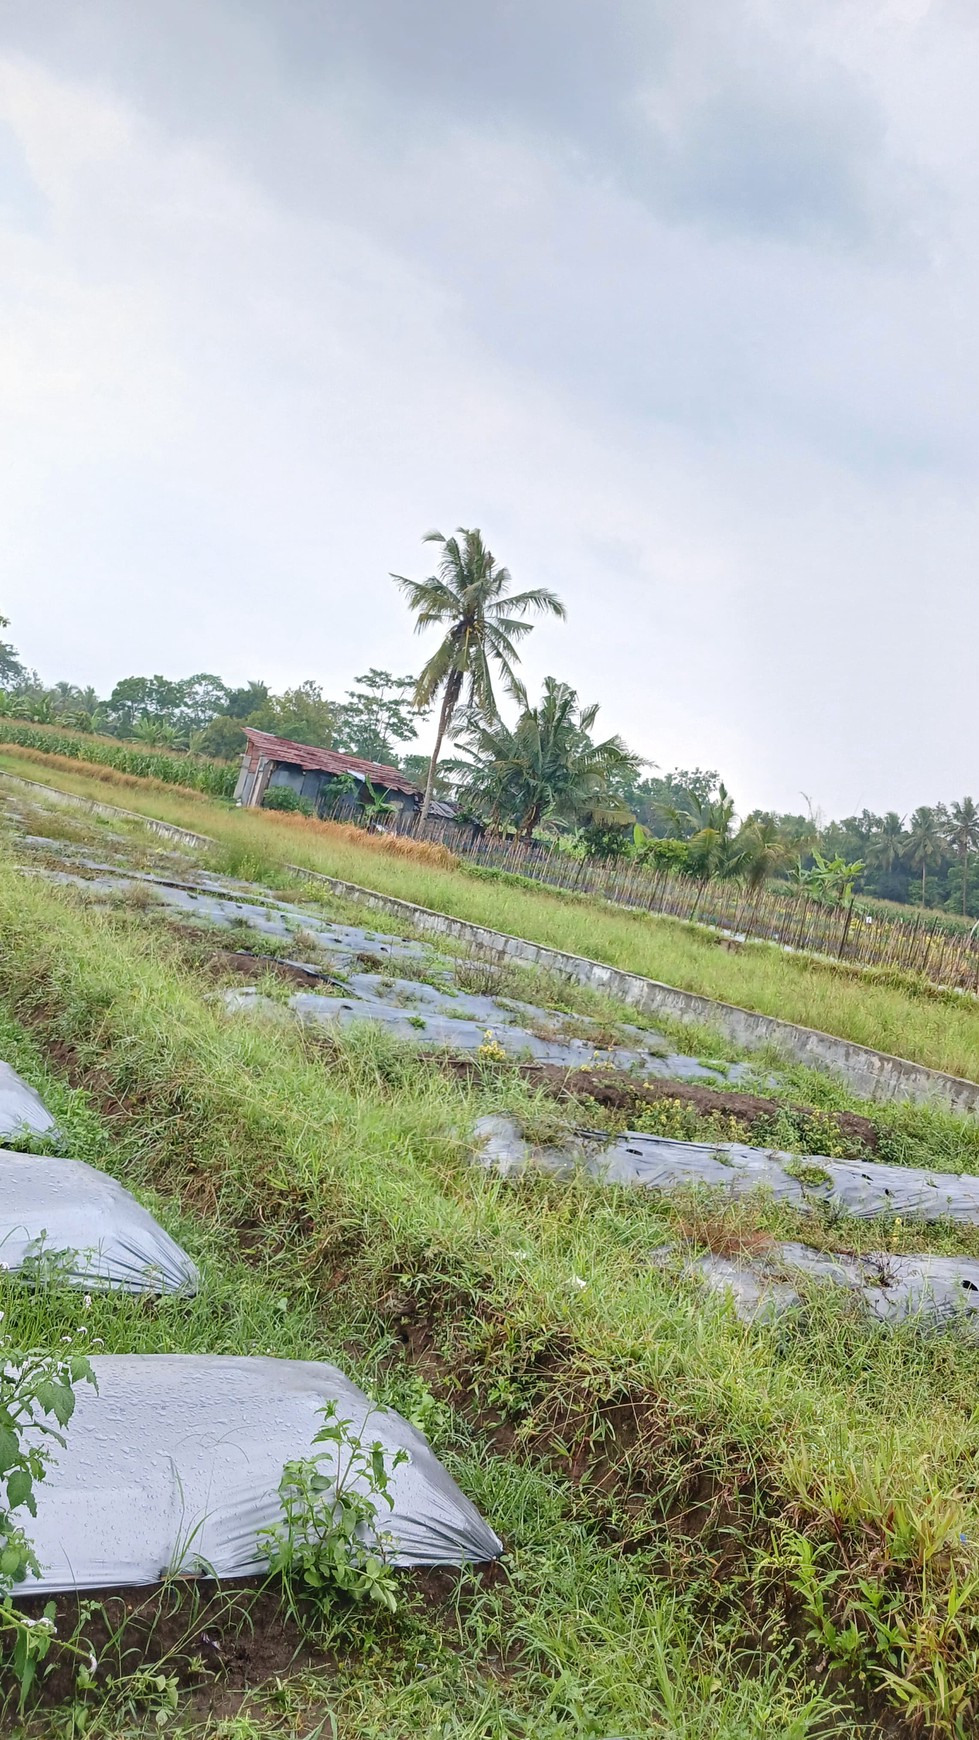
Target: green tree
651 796
242 703
204 698
666 855
799 833
376 717
470 597
135 698
850 839
180 704
11 669
548 767
302 714
707 824
964 835
926 843
415 767
223 738
64 698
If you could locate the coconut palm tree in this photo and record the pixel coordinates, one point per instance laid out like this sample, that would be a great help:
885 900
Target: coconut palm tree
470 596
925 843
548 767
761 849
64 697
888 845
964 834
707 824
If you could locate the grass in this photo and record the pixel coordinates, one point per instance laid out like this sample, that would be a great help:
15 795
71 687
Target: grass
659 1471
578 1639
942 1033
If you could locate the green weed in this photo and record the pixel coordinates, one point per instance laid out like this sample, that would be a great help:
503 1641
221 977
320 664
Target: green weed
329 1539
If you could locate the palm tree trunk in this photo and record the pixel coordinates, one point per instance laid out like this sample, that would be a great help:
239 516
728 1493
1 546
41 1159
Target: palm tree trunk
449 699
924 872
965 879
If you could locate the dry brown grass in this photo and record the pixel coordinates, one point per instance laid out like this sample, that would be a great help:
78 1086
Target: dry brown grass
390 845
728 1233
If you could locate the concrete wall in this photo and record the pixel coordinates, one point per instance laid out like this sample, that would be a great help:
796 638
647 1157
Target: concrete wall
871 1074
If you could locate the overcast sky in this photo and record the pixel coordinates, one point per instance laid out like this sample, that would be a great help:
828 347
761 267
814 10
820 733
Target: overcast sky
675 299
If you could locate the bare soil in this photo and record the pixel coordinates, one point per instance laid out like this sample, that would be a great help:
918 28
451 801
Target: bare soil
220 1642
252 966
618 1092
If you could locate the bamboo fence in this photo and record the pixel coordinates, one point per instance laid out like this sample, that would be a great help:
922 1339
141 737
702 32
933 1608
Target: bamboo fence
921 943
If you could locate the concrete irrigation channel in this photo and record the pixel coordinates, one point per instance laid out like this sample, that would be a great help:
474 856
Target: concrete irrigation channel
870 1074
73 800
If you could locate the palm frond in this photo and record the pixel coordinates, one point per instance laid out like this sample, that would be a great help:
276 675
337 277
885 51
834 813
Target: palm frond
433 675
538 598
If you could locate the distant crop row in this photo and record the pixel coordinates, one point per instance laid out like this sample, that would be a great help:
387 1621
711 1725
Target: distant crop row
215 778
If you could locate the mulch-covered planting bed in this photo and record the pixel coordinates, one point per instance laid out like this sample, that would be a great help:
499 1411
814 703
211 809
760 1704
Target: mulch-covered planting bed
618 1092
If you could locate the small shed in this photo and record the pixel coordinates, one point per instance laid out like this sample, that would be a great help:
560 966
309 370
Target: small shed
333 783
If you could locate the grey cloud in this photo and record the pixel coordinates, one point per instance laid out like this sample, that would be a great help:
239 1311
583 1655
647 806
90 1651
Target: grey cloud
756 141
761 143
750 161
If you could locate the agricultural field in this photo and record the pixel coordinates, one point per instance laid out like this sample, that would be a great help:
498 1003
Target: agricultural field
882 1008
713 1525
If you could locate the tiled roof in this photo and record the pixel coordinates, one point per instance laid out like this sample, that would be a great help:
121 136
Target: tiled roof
329 761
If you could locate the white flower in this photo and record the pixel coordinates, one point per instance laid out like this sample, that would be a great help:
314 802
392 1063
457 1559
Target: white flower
87 1302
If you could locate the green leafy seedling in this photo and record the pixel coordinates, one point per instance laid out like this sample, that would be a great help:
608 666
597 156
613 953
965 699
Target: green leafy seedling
328 1540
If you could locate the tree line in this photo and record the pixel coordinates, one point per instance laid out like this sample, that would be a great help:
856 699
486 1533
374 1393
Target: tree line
549 775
